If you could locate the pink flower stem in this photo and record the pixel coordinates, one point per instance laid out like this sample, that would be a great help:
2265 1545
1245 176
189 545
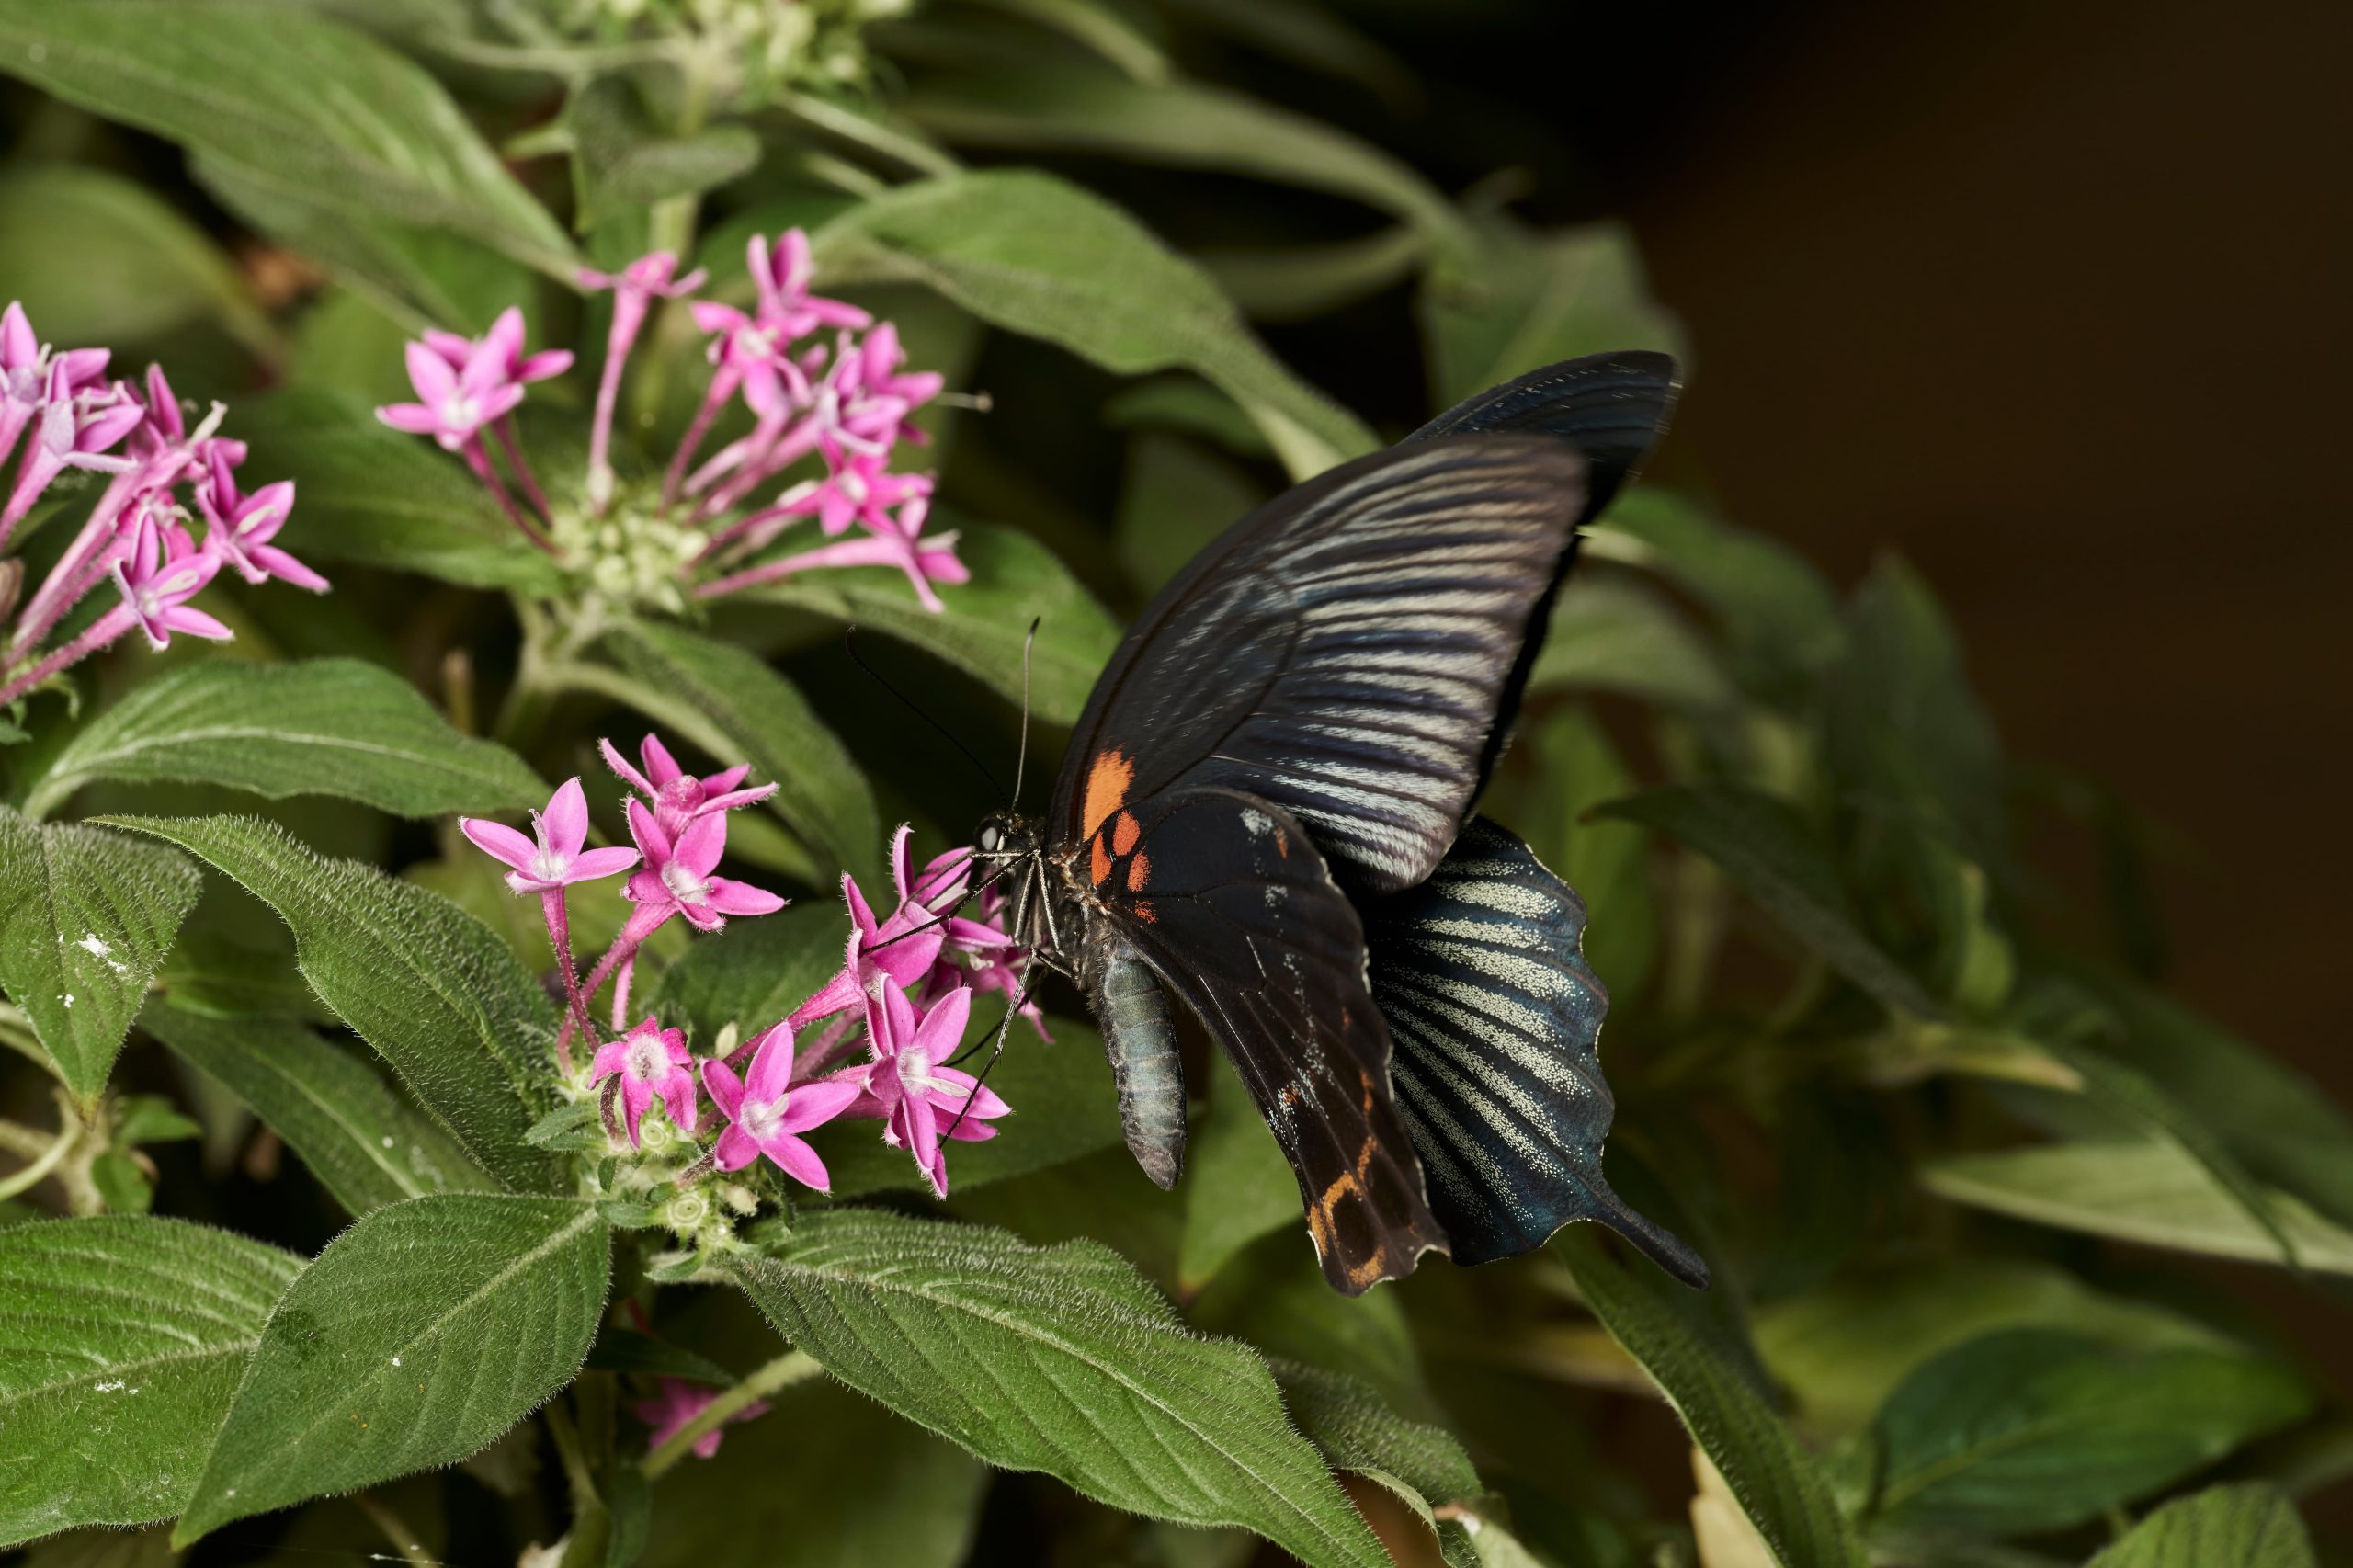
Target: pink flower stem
621 978
560 939
522 467
846 552
840 1035
634 932
723 386
740 529
788 449
71 578
478 459
96 635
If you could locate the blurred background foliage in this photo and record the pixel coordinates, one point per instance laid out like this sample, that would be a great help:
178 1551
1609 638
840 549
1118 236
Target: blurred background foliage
1887 1027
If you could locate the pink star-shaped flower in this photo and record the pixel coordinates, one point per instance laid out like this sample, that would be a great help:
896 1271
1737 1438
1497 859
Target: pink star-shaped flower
454 401
505 338
165 570
651 1061
676 876
242 527
767 1112
555 856
910 1085
679 797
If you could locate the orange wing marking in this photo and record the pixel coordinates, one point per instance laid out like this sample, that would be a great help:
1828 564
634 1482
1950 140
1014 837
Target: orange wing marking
1108 779
1098 861
1139 872
1125 831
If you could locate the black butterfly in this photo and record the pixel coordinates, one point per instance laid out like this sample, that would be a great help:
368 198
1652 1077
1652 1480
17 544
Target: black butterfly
1266 812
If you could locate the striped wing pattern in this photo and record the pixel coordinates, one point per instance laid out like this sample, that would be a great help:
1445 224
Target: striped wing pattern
1344 652
1495 1019
1224 897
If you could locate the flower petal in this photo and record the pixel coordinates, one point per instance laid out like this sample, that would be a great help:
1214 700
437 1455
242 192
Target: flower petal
564 825
815 1103
591 864
729 896
798 1161
499 842
771 1064
725 1089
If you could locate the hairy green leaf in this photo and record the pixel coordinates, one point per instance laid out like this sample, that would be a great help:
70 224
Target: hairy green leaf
1184 124
376 498
122 1340
877 1489
290 98
1288 283
419 1336
1016 580
1055 1358
1777 1485
2152 1192
96 258
1768 851
1517 300
622 160
367 1145
761 717
2031 1429
315 727
1347 1418
428 985
85 919
2246 1526
1027 253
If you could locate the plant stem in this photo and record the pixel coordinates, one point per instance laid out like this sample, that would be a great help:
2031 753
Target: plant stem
403 1538
792 1366
32 1174
560 938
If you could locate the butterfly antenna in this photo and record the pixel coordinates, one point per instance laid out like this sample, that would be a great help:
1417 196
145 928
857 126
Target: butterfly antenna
1021 760
849 641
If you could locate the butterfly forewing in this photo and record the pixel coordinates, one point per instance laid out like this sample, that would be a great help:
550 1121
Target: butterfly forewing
1225 896
1343 652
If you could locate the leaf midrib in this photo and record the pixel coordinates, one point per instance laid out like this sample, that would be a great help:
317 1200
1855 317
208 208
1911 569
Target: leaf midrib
86 767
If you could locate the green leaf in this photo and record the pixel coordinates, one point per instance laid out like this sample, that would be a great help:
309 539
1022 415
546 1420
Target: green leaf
1611 633
315 727
1289 283
1190 125
1099 27
622 161
1016 580
1347 1419
1027 253
1058 1359
288 99
1778 616
1065 1109
85 919
2152 1192
876 1490
151 1118
1518 300
1238 1186
414 274
430 987
761 717
98 258
1777 1485
367 1145
372 495
1768 852
122 1341
1175 498
1842 1349
2246 1526
2031 1430
1609 863
419 1336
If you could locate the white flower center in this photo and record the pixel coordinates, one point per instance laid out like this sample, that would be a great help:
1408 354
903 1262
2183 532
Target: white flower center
684 885
547 866
647 1060
762 1119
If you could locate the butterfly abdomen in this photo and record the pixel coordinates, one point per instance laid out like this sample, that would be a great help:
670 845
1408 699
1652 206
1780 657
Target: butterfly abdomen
1140 1037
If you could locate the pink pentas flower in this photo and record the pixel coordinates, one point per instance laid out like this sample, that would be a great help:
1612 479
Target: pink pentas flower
25 366
902 948
679 797
506 339
454 401
651 1061
556 854
897 542
922 1099
677 878
980 953
242 527
680 1402
634 289
767 1112
874 398
781 274
164 571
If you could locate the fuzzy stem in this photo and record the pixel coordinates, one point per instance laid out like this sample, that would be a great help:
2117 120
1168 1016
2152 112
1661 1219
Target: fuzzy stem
559 919
513 448
32 1174
792 1366
723 387
478 459
621 978
78 569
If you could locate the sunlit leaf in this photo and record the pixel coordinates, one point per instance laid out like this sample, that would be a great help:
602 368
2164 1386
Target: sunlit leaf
86 917
1059 1359
319 726
2246 1526
120 1345
419 1336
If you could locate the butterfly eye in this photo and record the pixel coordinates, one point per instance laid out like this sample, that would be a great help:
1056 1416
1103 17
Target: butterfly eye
991 839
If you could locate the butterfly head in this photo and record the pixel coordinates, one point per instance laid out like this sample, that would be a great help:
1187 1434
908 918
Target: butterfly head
1004 837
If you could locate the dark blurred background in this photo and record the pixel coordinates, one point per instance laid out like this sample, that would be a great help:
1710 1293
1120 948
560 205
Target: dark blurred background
2057 301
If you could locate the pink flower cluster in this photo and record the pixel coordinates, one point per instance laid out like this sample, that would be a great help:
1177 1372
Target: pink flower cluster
67 415
845 407
906 988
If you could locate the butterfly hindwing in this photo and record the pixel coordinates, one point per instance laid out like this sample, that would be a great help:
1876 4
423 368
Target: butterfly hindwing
1344 652
1225 897
1494 1020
